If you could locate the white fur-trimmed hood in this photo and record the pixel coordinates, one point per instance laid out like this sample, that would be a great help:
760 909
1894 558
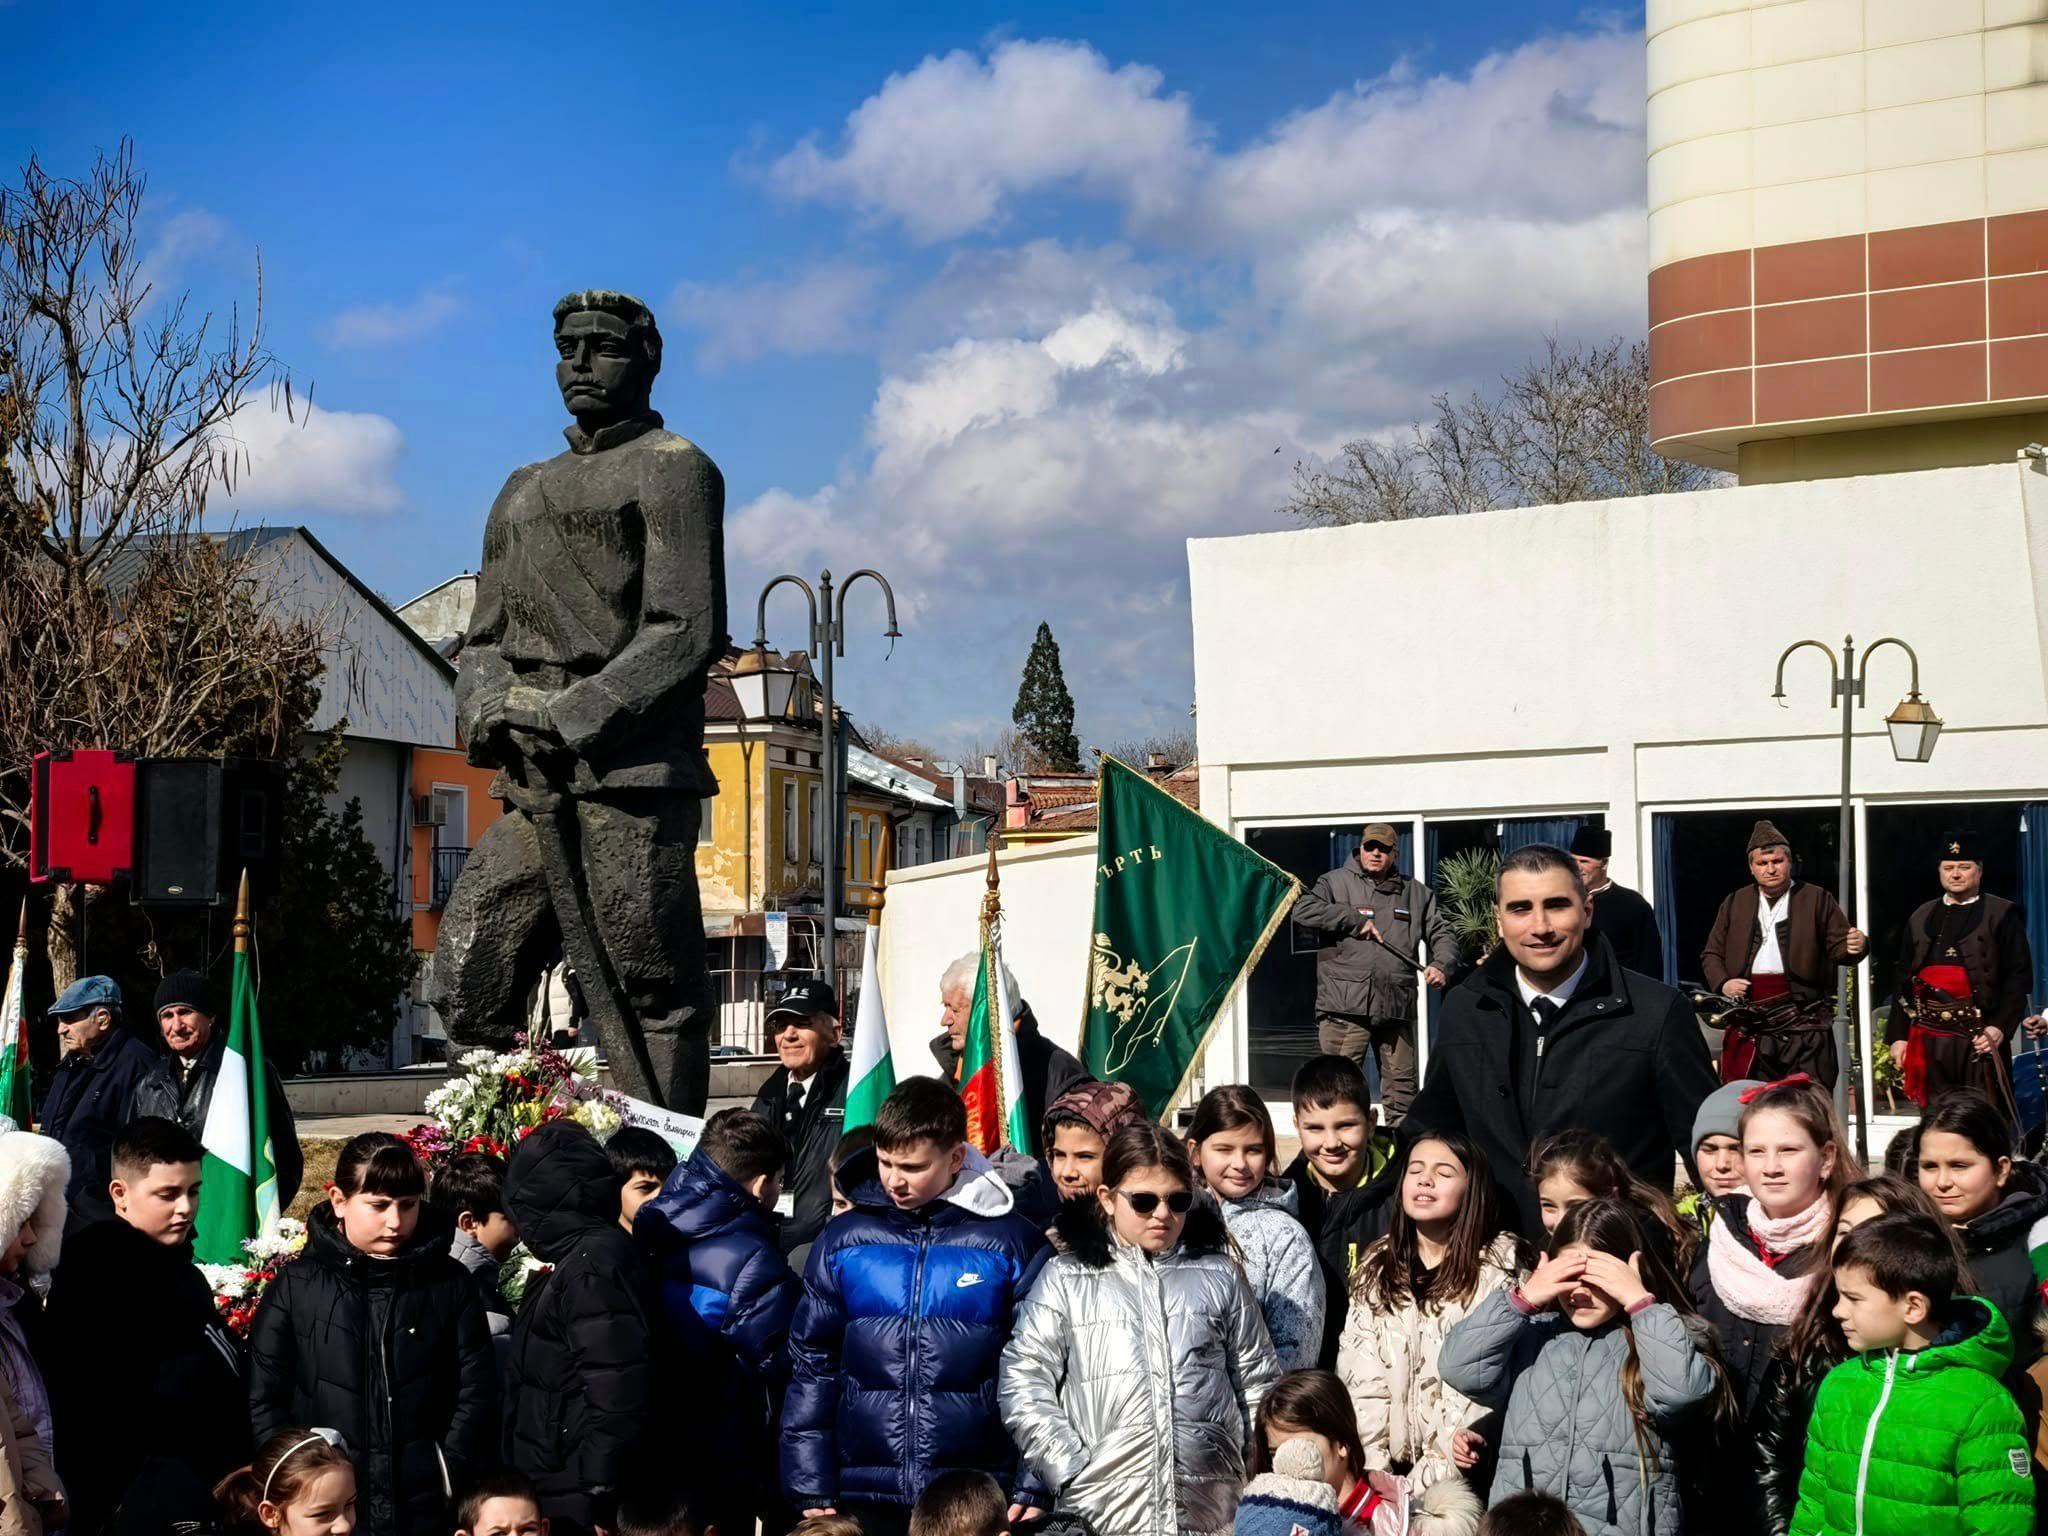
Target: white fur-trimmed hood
34 1172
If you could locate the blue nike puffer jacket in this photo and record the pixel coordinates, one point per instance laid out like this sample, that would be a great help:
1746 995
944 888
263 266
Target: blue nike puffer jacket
895 1345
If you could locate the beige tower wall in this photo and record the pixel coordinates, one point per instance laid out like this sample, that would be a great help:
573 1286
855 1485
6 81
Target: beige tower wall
1848 230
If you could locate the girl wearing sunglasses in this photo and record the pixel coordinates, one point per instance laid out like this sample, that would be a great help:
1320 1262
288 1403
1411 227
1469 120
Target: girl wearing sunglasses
1133 1375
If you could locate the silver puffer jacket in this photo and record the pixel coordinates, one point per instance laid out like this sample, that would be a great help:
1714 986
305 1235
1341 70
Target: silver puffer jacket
1131 1384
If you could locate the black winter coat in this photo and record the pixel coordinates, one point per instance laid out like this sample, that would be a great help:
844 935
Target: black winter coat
395 1354
595 1387
812 1134
90 1099
146 1391
1342 1226
1049 1071
1778 1427
1995 1244
169 1094
1629 923
1625 1058
1749 1352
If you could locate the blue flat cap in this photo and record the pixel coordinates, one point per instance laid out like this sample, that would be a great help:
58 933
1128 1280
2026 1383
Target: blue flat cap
88 992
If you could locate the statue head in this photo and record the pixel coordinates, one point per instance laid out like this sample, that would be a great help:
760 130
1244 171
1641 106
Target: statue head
608 351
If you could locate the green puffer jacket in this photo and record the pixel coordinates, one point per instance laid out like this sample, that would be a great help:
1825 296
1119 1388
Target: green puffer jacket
1922 1444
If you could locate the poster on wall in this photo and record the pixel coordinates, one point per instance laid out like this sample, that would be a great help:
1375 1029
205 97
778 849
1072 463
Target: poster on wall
775 928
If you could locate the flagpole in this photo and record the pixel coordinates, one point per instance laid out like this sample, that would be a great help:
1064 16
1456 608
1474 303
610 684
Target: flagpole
882 855
991 914
242 916
19 1104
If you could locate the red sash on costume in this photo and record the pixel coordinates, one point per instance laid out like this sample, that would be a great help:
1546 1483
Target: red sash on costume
1955 982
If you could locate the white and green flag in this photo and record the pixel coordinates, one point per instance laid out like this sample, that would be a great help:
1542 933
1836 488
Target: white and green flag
871 1074
238 1191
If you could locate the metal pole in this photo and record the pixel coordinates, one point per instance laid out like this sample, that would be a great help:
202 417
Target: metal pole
828 768
1846 1042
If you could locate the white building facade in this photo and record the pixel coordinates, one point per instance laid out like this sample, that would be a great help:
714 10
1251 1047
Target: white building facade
1616 660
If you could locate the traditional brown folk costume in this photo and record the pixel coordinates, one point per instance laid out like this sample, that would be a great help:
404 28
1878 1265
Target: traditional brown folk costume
1787 949
1964 966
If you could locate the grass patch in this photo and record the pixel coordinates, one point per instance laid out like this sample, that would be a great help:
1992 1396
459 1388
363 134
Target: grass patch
321 1157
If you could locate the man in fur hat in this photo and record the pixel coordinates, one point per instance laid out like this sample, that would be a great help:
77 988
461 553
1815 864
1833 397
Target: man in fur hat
1628 922
1964 972
1777 938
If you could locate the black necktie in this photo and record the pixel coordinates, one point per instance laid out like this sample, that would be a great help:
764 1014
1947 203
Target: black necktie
1545 1010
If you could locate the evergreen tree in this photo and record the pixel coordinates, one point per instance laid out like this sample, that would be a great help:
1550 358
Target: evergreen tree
1045 710
338 958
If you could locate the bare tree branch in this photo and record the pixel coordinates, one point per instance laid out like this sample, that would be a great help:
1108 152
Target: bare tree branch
1570 425
116 413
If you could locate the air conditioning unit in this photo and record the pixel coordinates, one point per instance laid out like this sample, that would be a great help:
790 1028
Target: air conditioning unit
429 811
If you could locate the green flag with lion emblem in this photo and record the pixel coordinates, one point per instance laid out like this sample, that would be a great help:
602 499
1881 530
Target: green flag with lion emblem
1183 911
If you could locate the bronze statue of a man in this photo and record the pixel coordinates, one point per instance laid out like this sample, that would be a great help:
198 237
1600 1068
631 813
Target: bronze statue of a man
599 608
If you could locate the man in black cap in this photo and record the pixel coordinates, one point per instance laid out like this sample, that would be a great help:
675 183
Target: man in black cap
1366 972
1964 972
1620 915
180 1086
805 1098
1776 938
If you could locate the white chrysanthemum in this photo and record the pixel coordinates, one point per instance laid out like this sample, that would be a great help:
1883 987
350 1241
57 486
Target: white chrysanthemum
225 1279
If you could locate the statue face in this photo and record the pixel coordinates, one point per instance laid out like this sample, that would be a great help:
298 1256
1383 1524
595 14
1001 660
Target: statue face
604 373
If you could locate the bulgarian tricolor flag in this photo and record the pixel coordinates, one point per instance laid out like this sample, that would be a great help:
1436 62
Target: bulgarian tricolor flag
238 1192
991 1077
871 1073
14 1100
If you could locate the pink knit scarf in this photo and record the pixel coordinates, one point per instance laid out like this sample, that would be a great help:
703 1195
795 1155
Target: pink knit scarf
1749 1287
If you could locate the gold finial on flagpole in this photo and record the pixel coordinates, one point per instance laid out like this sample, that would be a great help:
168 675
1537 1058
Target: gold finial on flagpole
992 902
242 916
881 874
21 932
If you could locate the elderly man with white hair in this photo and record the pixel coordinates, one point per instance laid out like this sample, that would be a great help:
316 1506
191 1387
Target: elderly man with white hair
1048 1070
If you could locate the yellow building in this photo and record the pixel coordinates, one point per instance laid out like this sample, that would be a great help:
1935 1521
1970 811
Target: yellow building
761 850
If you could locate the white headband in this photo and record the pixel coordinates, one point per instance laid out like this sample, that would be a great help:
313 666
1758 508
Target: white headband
329 1436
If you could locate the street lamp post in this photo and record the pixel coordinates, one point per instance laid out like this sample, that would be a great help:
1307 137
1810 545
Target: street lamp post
765 690
1913 727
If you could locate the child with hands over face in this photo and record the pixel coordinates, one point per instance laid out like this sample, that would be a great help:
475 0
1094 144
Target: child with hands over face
1599 1362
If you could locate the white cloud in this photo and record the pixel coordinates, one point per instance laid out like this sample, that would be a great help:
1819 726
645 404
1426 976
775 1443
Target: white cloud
1551 130
1054 420
182 240
825 309
1050 475
376 325
313 460
944 147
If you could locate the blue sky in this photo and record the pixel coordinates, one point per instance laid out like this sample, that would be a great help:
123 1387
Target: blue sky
1008 303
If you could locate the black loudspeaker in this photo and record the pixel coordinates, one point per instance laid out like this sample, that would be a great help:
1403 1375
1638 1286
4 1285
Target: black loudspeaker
199 823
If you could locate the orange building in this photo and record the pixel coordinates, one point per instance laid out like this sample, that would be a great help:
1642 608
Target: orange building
451 807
